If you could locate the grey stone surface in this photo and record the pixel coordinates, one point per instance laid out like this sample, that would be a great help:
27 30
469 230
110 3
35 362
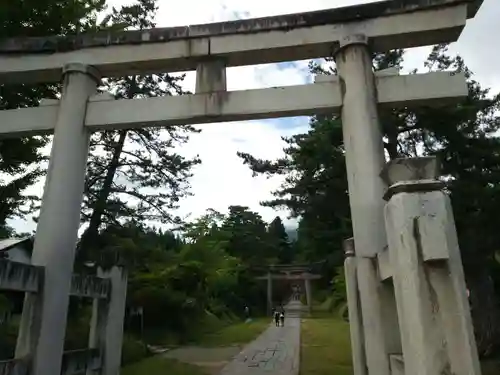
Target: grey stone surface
194 354
411 169
276 351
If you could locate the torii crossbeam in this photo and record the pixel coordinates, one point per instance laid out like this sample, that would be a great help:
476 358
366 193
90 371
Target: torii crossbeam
324 96
81 61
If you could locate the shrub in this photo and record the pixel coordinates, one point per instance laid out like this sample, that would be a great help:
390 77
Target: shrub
8 335
339 288
133 350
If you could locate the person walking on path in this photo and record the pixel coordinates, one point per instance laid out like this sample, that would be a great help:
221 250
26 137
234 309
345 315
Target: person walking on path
282 318
277 318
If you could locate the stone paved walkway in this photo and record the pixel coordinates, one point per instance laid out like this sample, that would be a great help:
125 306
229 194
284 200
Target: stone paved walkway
211 359
276 351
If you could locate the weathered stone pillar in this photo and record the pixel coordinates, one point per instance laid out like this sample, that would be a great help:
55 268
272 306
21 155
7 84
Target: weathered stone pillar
354 309
307 284
436 329
364 159
211 79
43 324
106 326
211 76
269 292
363 144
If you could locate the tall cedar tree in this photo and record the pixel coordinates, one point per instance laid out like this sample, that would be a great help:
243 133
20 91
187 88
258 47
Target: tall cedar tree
279 239
461 135
246 235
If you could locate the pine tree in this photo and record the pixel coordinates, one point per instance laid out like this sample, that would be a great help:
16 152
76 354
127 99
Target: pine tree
135 174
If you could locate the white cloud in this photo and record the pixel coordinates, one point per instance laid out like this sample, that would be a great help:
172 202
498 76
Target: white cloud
222 180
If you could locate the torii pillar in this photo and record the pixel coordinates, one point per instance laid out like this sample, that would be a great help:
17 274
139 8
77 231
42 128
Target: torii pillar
307 284
43 326
364 161
269 292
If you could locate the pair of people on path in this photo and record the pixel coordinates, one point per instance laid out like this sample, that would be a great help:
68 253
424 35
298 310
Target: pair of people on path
279 317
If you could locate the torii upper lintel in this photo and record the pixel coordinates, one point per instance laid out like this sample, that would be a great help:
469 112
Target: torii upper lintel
52 44
387 25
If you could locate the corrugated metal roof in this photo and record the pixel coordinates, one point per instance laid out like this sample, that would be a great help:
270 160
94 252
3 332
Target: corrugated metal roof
8 243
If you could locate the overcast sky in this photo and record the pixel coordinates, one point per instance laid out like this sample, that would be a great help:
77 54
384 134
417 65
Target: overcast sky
222 180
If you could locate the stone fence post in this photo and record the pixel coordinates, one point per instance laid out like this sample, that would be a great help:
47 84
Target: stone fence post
435 321
106 327
354 309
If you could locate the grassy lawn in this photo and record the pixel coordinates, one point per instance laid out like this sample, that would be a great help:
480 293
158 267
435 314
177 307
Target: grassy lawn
490 367
325 347
159 365
234 334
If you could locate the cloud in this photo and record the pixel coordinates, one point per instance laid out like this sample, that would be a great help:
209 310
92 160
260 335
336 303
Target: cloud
222 180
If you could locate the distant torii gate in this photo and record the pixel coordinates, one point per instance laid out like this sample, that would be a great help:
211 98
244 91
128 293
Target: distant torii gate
300 272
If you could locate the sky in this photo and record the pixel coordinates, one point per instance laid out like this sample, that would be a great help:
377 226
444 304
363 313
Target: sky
222 180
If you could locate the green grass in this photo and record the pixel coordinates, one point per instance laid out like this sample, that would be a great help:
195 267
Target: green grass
234 334
325 346
490 367
159 365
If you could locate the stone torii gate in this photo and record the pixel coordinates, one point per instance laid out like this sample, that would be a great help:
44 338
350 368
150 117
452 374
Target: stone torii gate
349 34
290 272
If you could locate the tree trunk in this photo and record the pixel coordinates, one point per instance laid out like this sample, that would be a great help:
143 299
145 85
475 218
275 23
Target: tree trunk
91 233
392 142
485 312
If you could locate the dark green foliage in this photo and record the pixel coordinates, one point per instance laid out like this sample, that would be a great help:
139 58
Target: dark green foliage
339 295
133 350
246 234
205 278
8 335
280 244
